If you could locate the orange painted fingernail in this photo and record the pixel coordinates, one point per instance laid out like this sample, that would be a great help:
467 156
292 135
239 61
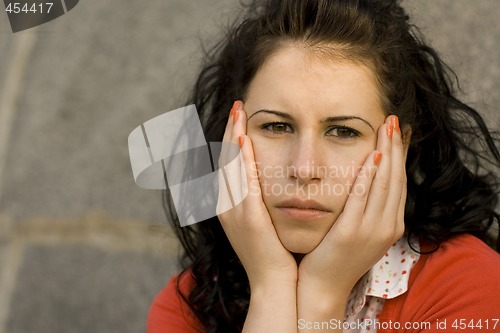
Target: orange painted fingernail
234 108
377 158
395 124
389 131
236 115
242 140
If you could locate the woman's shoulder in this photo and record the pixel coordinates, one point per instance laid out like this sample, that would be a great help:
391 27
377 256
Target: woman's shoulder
463 249
463 267
463 259
169 311
458 281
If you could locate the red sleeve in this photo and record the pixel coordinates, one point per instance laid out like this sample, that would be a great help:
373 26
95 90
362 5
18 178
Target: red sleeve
169 313
455 289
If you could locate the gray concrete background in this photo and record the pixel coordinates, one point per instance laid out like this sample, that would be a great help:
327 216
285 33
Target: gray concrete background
82 249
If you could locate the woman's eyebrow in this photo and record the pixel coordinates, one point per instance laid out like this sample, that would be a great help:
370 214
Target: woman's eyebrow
277 113
343 118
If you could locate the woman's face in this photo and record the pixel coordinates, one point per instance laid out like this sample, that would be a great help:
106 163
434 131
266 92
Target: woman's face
312 123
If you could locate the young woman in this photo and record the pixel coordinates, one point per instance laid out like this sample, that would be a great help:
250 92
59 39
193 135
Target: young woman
369 188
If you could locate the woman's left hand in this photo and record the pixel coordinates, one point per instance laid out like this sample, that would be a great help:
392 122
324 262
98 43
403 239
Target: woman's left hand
372 220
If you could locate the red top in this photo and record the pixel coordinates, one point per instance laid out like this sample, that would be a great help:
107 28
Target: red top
454 289
458 283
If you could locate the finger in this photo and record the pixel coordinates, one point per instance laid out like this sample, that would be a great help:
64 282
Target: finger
227 151
400 227
400 224
398 176
232 168
235 127
358 196
250 166
381 183
225 198
230 121
239 123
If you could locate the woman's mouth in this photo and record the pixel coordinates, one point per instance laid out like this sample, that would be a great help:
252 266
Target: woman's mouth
298 209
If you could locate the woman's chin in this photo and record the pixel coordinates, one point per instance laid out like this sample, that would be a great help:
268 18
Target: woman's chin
300 248
301 237
300 242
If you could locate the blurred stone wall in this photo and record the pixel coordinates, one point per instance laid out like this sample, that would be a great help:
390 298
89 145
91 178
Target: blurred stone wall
82 249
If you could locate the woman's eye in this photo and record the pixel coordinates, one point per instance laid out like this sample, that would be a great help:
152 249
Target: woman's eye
277 128
343 132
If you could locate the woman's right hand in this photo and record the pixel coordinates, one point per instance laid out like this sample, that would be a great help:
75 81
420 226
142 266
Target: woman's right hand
248 225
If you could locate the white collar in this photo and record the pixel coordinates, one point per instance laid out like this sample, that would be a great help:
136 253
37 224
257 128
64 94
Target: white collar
388 278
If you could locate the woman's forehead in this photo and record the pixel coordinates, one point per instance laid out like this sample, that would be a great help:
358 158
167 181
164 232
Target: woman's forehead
291 79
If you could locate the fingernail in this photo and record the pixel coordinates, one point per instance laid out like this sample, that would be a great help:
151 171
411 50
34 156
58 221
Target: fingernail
236 115
377 157
242 140
389 131
234 108
395 124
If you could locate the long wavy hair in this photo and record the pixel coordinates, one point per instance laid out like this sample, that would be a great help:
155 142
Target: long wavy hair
452 162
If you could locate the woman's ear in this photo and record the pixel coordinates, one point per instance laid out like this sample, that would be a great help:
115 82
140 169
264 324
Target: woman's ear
406 137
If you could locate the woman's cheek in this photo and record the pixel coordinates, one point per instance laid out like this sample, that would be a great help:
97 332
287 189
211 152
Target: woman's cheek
343 167
271 164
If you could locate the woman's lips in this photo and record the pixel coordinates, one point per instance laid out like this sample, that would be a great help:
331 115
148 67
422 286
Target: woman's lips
302 209
303 214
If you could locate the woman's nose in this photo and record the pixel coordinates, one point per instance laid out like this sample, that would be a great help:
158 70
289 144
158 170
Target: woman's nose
305 162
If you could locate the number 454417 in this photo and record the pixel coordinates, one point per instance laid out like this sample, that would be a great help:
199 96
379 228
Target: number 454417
19 7
463 324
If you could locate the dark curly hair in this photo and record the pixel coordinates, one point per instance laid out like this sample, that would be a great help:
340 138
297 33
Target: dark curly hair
452 161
